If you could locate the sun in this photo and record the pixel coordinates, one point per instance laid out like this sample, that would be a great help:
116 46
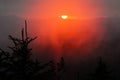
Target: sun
64 16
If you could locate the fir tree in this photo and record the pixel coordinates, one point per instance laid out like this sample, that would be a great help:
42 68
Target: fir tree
102 71
18 65
4 65
22 65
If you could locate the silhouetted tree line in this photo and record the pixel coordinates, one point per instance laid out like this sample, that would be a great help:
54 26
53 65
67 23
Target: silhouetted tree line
102 71
18 65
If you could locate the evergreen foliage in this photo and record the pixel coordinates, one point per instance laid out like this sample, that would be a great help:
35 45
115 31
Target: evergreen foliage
102 71
18 65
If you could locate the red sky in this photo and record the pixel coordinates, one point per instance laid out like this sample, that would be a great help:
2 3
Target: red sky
80 30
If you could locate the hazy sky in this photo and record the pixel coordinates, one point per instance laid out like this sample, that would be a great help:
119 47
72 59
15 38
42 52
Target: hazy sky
71 37
13 12
25 7
21 9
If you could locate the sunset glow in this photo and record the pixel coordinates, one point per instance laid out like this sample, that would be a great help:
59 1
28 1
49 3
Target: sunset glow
64 17
67 23
59 39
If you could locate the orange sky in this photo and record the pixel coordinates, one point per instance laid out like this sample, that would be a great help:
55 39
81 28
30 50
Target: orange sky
78 31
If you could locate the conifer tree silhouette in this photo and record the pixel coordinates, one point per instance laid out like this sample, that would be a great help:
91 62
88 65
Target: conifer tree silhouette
61 68
53 71
4 65
18 65
102 71
21 56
